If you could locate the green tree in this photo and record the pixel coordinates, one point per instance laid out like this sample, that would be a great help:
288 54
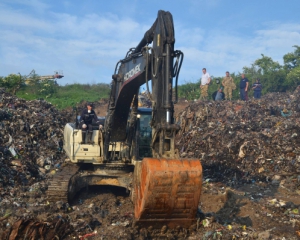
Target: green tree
292 60
253 72
47 88
40 88
293 77
189 90
292 65
32 78
271 74
266 65
12 82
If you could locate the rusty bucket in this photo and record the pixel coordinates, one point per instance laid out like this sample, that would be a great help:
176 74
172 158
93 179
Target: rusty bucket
167 192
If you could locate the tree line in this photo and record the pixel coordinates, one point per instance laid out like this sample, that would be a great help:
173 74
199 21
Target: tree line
31 83
273 76
32 87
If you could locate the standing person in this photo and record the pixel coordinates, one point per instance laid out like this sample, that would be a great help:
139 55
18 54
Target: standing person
87 118
257 87
228 85
205 81
244 83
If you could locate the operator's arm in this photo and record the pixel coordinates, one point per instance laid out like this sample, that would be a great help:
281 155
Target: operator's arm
247 84
81 120
96 118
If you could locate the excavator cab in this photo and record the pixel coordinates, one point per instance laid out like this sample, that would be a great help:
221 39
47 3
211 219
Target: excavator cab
144 132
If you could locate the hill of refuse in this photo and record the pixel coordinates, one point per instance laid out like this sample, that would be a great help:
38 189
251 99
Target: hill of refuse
30 139
250 154
240 142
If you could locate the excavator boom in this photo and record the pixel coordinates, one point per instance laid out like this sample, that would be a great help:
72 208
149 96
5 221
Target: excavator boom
166 189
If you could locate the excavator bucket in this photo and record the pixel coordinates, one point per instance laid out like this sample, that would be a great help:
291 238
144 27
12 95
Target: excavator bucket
167 192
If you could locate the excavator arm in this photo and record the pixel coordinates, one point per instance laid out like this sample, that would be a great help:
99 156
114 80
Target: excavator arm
166 189
140 65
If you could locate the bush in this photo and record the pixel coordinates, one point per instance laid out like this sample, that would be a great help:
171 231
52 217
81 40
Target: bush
68 95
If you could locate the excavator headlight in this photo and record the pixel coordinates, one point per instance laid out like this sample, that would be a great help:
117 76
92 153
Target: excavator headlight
138 116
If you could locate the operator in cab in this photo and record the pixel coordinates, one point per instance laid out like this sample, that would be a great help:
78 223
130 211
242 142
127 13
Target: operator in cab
88 117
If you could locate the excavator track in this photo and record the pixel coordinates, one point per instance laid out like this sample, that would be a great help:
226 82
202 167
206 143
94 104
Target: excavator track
60 185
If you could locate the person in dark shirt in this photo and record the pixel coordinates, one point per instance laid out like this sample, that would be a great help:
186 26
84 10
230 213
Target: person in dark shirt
218 95
257 87
87 118
244 83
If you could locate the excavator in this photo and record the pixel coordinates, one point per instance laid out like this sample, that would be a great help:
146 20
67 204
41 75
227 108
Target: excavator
135 149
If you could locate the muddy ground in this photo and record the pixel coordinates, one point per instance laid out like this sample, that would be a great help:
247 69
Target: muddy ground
247 211
227 210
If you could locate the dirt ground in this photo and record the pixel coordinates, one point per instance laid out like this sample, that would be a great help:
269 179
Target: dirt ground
248 211
252 211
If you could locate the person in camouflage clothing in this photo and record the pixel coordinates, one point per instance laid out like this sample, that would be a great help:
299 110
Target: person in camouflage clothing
228 85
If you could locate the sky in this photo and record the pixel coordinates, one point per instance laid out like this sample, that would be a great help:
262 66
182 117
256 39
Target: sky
85 39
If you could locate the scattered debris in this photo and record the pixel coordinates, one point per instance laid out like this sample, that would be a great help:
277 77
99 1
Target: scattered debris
250 154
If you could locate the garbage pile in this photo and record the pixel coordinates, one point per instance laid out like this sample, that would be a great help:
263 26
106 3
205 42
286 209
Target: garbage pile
144 99
30 139
250 154
31 134
244 142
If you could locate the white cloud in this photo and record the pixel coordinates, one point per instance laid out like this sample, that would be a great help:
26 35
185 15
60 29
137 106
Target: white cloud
88 46
11 19
81 45
221 51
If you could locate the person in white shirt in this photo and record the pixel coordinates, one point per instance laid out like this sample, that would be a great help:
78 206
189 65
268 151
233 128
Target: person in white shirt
205 81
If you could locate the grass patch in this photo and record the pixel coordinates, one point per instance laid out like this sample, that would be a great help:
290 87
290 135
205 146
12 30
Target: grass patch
70 95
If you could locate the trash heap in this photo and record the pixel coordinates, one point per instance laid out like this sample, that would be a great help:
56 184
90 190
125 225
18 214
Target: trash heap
242 142
242 145
250 154
144 99
31 139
